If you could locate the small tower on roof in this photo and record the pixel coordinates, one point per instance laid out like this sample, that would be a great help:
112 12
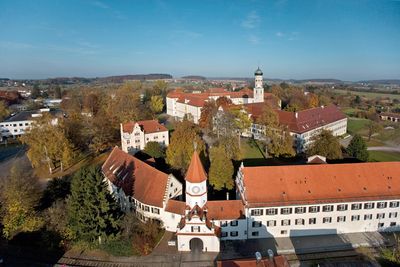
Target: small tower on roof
196 183
258 90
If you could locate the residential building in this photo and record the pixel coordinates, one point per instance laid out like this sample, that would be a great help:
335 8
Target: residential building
135 135
19 123
303 125
394 117
272 201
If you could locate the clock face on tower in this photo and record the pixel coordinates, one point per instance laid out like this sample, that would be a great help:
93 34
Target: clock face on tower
195 189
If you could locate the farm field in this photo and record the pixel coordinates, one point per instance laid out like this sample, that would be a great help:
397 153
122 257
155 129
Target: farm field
370 95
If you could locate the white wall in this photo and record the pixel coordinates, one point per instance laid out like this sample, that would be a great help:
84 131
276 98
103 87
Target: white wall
14 128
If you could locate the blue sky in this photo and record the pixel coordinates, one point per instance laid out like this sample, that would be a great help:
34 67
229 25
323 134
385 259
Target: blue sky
349 40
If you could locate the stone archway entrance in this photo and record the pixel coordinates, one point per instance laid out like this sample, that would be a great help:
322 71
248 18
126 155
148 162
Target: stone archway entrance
196 245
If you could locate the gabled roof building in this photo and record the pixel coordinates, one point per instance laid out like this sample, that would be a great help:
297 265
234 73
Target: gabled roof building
271 201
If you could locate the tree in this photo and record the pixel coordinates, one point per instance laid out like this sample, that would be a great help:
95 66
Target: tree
156 104
325 144
57 92
281 144
221 169
19 195
103 132
154 150
4 111
91 103
358 148
313 101
123 106
373 128
93 213
57 219
242 120
223 101
48 144
181 147
208 112
160 88
35 92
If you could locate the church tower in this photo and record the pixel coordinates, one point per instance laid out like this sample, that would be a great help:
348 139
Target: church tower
196 183
258 91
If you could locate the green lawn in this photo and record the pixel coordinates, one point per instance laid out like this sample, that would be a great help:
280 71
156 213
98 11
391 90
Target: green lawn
357 125
251 149
351 112
383 156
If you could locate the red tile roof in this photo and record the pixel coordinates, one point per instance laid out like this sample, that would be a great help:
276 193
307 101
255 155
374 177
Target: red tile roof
225 209
277 261
176 206
321 183
196 172
136 178
148 126
310 119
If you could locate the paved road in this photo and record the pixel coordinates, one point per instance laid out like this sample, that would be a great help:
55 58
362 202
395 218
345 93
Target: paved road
384 148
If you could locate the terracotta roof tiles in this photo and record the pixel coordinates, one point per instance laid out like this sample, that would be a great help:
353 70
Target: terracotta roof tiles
321 183
225 209
195 172
148 126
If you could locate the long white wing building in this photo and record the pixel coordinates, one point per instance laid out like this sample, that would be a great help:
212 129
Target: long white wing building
272 201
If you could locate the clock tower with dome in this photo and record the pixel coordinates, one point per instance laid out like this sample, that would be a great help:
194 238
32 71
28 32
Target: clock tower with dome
196 183
258 91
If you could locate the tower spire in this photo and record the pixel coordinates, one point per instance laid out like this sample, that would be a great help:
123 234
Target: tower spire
196 172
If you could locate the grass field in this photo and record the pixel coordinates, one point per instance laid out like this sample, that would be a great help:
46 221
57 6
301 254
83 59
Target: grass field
383 156
251 149
370 95
351 112
357 125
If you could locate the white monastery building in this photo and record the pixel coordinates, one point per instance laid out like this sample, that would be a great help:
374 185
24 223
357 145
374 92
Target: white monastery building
135 135
272 201
181 104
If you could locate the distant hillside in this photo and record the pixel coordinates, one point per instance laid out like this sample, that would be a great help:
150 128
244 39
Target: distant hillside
141 77
194 77
389 81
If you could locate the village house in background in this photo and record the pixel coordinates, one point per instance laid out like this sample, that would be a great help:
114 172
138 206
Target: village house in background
135 135
394 117
302 200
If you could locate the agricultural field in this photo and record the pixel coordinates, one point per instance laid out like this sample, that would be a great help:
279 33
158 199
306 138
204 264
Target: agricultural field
370 95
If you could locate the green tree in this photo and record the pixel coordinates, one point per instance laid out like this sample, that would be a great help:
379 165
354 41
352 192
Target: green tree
242 121
160 88
4 111
57 92
358 148
221 169
19 195
47 143
281 144
181 147
156 104
35 92
373 128
325 144
154 149
93 213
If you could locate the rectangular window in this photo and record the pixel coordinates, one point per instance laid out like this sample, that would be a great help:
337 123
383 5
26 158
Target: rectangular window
341 218
313 209
355 218
234 233
299 222
369 205
224 234
327 220
380 216
394 204
257 212
196 229
285 222
155 210
224 224
146 208
393 215
341 207
381 205
255 233
283 232
368 217
271 223
327 208
381 225
300 210
271 211
286 211
312 221
256 224
356 206
128 142
393 224
234 223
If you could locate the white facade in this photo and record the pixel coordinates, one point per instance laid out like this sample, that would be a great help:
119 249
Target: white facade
136 140
196 194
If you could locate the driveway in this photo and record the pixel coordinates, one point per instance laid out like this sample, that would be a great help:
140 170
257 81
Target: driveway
384 148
